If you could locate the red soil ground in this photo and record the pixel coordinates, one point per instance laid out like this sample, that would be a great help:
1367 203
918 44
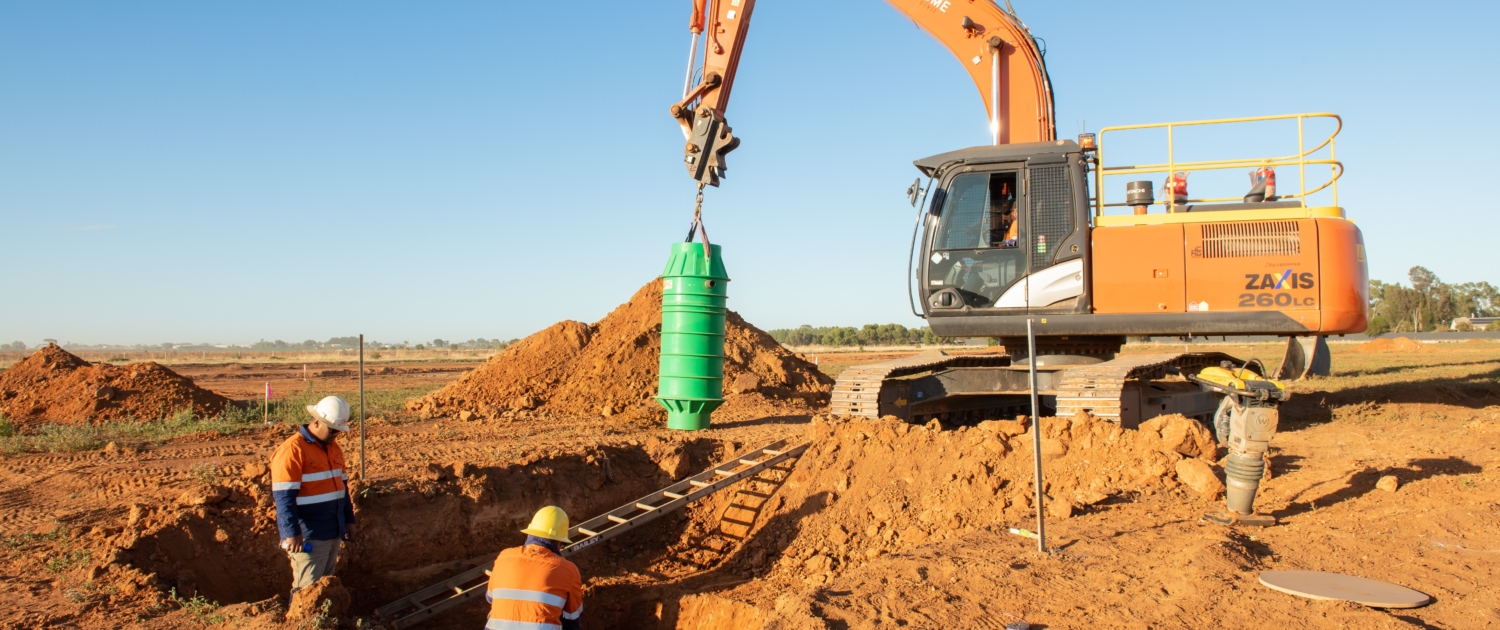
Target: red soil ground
878 525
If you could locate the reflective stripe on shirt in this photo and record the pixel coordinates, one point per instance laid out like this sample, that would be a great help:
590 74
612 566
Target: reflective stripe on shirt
502 624
540 597
280 486
319 476
321 498
573 615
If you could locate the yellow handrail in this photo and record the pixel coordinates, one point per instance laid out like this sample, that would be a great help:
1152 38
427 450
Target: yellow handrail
1298 159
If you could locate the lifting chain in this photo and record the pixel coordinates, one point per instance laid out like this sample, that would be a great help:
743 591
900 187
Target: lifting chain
697 224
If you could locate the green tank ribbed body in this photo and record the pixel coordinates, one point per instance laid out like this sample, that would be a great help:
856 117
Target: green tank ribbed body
690 384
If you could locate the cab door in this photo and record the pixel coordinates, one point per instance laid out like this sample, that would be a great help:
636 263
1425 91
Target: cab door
976 245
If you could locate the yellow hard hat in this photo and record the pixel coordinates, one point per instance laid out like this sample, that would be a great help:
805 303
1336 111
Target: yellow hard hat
550 522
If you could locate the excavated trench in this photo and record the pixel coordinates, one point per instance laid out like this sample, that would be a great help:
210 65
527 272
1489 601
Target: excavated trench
416 532
863 490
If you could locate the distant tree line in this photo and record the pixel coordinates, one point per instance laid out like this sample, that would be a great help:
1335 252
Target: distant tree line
338 343
867 335
472 344
1429 304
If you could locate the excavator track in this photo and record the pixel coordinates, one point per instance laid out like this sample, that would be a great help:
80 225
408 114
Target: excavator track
880 388
857 390
1097 388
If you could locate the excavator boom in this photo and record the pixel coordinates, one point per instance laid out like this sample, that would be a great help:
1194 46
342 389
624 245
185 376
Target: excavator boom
995 48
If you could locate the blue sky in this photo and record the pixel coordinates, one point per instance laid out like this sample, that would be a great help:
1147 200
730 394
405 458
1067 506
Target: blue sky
229 172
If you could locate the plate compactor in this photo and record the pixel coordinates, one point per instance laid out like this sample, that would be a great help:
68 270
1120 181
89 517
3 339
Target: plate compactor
1245 421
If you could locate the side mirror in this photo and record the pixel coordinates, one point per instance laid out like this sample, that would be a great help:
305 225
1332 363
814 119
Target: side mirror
914 192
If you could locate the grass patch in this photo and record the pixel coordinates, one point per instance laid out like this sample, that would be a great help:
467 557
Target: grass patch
322 620
289 409
54 551
207 473
200 608
70 438
28 541
68 560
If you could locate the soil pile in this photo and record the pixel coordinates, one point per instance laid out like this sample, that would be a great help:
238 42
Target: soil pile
610 369
55 385
880 487
1384 346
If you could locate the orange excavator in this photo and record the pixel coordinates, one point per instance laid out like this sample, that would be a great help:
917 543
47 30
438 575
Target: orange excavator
1018 230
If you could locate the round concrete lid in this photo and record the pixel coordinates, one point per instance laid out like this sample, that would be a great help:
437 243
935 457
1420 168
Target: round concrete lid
1323 585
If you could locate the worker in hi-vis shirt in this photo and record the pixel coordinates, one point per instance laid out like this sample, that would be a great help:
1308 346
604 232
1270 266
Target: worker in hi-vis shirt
313 512
532 587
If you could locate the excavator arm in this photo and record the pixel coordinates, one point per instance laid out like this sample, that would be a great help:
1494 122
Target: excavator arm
994 46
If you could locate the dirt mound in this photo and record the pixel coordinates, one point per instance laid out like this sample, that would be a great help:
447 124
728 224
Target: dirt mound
1384 346
610 368
54 385
884 486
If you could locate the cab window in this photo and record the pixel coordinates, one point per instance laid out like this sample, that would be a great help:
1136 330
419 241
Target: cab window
980 212
975 249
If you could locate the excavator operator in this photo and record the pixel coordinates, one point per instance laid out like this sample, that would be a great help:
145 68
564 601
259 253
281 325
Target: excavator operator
1003 226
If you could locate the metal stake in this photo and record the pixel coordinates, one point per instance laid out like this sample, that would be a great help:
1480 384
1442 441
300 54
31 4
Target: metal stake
1036 442
362 408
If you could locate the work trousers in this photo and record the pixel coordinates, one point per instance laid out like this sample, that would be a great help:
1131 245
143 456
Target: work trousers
308 567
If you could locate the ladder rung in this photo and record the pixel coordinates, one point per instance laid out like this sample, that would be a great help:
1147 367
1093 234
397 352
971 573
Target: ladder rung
672 495
585 532
487 571
458 591
722 472
643 506
618 519
771 452
749 462
700 484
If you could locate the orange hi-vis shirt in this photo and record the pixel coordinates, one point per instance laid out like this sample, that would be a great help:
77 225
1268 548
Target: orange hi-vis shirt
532 588
310 488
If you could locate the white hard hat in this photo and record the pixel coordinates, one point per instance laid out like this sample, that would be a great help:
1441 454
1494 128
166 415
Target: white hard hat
332 411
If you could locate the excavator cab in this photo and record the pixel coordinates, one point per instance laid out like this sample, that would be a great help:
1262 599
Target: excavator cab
1005 233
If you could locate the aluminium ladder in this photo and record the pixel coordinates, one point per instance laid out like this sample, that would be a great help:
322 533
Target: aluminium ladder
469 585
